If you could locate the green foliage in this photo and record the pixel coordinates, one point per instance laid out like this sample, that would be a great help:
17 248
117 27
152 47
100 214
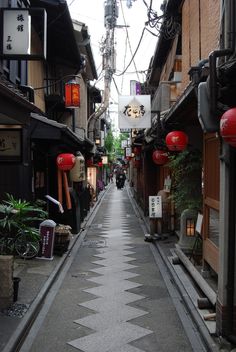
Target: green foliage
109 142
113 145
18 216
186 170
117 143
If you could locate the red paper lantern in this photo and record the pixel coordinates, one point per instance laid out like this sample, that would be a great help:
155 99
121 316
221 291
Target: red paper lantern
100 164
176 141
160 157
65 161
228 127
72 94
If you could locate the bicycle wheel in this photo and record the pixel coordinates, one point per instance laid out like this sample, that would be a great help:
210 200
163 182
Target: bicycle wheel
6 246
26 247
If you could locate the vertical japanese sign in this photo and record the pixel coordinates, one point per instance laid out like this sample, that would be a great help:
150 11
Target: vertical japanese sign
128 152
16 32
155 207
47 233
134 111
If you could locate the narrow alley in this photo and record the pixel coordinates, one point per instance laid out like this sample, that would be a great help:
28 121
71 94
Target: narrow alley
110 294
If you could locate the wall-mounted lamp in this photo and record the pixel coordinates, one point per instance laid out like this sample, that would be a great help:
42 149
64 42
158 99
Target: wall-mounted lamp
72 94
97 141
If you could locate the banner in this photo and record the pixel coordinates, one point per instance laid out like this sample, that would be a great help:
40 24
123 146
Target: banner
135 88
134 111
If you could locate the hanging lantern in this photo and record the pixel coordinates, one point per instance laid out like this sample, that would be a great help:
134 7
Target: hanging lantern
228 127
77 173
72 94
176 141
65 161
160 157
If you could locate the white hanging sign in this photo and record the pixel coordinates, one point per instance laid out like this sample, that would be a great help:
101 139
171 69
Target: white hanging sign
16 32
155 207
134 111
128 152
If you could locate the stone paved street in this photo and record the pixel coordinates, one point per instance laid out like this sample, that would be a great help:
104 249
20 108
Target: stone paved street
112 298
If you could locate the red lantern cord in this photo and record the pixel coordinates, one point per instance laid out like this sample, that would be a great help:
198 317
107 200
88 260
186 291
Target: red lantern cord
59 185
64 162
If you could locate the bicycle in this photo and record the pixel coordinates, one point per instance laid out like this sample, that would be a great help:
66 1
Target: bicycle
23 244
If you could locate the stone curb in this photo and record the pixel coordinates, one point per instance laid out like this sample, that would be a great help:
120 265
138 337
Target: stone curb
23 328
208 340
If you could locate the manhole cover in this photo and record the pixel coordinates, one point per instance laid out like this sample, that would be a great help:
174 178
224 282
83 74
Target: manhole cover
94 243
16 310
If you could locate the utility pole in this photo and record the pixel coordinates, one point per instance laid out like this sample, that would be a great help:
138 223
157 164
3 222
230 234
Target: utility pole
108 55
110 19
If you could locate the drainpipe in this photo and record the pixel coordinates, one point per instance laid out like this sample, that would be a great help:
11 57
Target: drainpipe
228 41
213 76
104 106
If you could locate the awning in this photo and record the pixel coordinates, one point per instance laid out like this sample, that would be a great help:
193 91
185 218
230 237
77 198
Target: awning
43 128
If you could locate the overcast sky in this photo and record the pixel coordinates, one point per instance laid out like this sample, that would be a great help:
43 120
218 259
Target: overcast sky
91 12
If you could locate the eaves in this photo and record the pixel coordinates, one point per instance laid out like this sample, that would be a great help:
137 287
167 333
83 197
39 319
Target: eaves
47 129
14 105
172 8
62 46
84 46
184 110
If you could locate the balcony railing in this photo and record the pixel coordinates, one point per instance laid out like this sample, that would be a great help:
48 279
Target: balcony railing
54 91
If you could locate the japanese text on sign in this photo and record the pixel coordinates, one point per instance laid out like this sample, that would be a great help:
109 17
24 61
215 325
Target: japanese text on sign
16 32
155 207
134 111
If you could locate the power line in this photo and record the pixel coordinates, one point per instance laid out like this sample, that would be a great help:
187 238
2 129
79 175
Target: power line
127 33
139 43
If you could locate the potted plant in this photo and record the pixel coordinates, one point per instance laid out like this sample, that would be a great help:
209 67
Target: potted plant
18 231
186 176
19 222
186 193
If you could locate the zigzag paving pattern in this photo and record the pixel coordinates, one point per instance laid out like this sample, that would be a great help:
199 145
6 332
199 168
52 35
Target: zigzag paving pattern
112 316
